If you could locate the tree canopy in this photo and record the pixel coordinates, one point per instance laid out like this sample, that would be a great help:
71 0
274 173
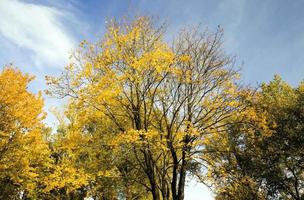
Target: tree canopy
144 115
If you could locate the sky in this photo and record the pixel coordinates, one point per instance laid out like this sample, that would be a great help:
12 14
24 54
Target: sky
266 36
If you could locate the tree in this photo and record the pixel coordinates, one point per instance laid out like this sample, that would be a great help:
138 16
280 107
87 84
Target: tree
285 175
23 152
265 145
161 101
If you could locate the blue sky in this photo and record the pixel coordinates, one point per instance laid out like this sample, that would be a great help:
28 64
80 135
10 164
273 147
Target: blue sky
267 36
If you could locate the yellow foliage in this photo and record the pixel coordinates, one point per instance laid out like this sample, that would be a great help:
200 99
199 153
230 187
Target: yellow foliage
24 154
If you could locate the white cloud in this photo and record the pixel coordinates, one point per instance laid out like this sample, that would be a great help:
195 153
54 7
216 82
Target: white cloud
36 28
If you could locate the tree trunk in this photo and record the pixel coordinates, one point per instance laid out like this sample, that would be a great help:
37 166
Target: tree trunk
182 179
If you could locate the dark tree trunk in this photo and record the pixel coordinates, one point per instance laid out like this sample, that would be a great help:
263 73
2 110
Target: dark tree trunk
182 179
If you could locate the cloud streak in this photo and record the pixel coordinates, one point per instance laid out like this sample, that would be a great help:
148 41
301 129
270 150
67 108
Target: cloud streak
36 28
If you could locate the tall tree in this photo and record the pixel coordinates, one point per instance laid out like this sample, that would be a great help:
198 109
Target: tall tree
161 101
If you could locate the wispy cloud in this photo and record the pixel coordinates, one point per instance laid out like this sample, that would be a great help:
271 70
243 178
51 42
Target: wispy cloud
37 28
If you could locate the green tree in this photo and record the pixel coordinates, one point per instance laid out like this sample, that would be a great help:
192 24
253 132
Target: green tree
265 144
